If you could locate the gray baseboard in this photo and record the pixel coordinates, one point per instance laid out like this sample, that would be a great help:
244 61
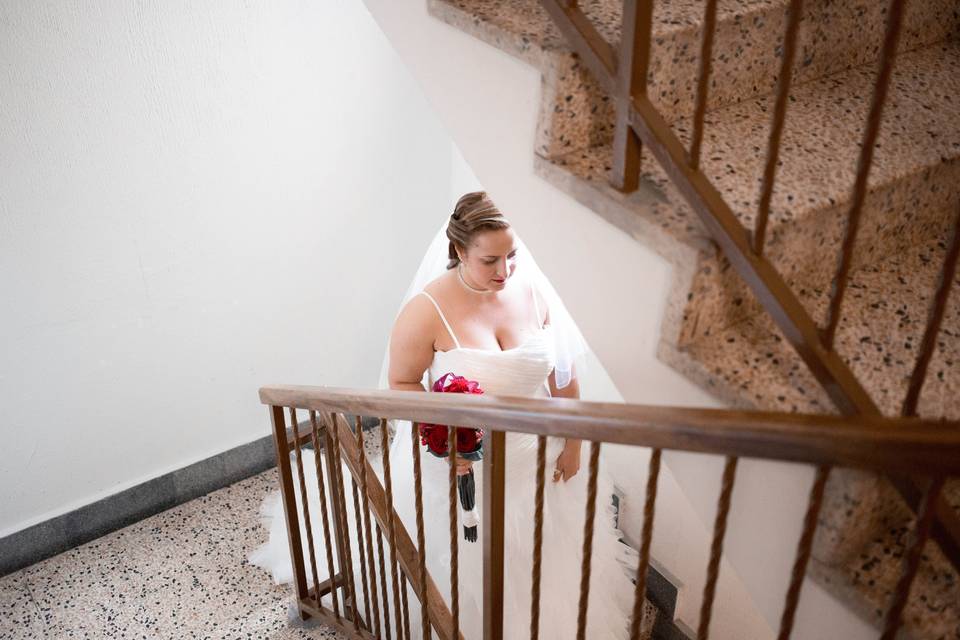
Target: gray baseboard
48 538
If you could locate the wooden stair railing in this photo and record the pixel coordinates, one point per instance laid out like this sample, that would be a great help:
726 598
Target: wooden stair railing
343 447
623 75
923 449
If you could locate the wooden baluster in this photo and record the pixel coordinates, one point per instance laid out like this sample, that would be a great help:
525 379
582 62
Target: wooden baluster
289 504
324 518
366 525
305 504
406 610
646 536
912 557
368 532
321 489
421 543
631 81
454 537
340 503
538 538
360 549
591 508
934 318
391 530
779 117
887 56
363 529
494 480
703 81
803 551
338 523
383 583
716 547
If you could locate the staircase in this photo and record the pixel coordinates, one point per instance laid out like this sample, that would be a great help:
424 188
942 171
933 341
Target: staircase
716 332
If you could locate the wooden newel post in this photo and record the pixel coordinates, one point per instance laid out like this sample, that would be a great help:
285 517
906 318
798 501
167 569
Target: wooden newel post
290 505
494 460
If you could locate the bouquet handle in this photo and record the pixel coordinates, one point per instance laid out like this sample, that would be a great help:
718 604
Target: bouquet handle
470 517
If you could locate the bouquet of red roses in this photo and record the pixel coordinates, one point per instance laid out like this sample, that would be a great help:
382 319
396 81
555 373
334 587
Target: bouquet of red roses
436 438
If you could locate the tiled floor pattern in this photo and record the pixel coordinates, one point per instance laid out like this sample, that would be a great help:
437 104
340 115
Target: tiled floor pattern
179 574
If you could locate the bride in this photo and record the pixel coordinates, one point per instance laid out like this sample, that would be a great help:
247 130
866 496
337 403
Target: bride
479 307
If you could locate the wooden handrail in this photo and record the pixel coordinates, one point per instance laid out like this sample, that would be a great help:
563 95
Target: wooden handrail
893 445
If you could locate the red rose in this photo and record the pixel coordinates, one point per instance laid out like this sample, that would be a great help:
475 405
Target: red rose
468 439
435 438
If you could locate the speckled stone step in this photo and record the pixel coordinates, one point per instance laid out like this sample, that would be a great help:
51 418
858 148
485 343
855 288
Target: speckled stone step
884 315
914 185
576 114
866 579
914 190
863 524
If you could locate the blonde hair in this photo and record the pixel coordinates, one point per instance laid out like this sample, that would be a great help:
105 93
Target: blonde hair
474 213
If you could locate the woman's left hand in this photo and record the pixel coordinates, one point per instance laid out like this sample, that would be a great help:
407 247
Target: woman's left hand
568 462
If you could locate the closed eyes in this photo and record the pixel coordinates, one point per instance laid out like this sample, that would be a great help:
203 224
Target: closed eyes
510 256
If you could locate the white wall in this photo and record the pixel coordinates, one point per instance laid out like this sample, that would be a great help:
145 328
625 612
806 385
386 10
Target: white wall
196 199
617 291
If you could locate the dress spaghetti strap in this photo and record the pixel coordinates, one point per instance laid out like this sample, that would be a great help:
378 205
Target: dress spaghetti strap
442 317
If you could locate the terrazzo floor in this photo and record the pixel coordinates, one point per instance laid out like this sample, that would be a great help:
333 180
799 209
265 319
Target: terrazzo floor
182 573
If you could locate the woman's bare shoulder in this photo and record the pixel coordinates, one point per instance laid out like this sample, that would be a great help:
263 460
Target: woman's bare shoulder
418 320
440 286
419 306
416 313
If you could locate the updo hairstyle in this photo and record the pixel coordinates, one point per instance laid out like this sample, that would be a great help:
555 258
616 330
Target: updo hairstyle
474 213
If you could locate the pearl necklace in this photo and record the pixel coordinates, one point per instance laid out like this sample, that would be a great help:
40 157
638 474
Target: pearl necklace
464 282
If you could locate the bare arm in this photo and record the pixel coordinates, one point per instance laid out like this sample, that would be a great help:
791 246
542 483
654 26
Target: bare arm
411 352
411 345
568 462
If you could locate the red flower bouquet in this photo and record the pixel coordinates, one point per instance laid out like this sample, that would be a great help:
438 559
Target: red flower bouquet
436 438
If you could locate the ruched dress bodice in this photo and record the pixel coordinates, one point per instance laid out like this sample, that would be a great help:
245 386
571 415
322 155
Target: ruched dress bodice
520 371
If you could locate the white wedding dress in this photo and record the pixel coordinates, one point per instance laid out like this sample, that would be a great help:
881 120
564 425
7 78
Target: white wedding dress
521 371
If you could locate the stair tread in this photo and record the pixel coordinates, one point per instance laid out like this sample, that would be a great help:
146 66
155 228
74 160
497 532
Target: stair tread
823 133
883 319
872 573
528 18
920 130
593 164
833 36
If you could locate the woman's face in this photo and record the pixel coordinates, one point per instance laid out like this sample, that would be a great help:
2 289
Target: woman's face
491 259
